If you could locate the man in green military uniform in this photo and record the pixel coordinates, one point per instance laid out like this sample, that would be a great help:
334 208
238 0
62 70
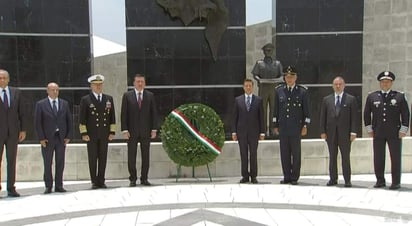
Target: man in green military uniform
268 74
97 127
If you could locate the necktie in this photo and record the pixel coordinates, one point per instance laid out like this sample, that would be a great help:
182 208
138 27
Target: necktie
139 99
385 95
337 103
98 98
248 103
5 99
290 90
54 107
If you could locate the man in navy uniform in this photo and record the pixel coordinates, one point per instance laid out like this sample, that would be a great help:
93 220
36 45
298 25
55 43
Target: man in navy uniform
291 116
386 117
97 127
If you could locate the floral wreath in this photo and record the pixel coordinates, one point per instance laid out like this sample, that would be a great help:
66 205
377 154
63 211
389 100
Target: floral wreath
193 135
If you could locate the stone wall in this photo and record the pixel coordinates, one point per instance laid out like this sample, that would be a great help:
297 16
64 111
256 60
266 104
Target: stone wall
387 43
315 159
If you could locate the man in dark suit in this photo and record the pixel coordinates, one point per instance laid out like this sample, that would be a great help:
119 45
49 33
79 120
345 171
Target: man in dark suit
247 128
386 117
97 127
53 123
139 125
13 125
338 125
291 116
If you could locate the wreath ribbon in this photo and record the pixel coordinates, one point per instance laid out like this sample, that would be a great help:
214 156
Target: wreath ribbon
195 132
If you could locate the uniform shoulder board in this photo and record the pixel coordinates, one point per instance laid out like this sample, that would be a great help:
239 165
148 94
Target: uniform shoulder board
302 86
280 85
402 92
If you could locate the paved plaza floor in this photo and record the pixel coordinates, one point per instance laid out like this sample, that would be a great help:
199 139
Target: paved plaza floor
224 201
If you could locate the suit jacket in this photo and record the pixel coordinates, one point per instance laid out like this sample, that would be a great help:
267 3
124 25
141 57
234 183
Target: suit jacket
14 119
343 122
46 122
139 122
97 119
248 123
291 111
386 117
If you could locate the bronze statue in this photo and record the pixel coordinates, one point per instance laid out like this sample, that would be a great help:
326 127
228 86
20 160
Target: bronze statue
268 74
214 11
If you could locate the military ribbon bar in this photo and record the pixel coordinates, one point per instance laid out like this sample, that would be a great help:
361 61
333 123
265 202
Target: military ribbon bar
195 132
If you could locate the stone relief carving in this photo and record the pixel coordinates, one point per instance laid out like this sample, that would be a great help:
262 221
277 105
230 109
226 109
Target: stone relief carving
214 11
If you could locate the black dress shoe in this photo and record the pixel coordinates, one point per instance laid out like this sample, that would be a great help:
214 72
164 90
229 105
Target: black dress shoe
294 182
285 181
48 191
95 186
132 184
244 180
145 183
254 181
13 194
331 183
394 187
348 184
102 186
379 185
60 189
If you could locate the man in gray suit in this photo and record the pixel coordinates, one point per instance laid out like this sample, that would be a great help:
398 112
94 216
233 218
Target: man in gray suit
139 125
13 125
248 127
338 125
53 124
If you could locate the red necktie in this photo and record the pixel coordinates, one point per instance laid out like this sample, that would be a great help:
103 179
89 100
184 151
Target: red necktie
139 99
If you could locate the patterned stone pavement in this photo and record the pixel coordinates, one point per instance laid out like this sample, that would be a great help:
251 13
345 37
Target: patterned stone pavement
224 201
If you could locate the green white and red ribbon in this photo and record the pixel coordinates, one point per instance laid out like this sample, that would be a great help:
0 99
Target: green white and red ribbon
195 132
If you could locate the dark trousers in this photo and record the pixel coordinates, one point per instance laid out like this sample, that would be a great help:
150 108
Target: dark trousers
97 153
266 91
290 154
344 147
395 151
54 145
132 154
11 156
248 149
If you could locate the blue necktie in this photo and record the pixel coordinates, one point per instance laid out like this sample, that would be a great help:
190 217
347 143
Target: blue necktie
337 104
54 107
5 99
248 103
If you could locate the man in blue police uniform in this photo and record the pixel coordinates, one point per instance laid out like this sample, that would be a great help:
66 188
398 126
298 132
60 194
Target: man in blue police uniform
291 116
97 127
386 117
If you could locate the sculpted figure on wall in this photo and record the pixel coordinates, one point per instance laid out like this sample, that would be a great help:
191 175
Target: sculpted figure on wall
213 11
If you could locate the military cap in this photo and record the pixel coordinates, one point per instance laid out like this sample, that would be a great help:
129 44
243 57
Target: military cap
96 79
386 75
289 70
269 45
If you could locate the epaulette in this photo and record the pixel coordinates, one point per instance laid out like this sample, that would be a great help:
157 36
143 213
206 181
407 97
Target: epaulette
305 87
280 85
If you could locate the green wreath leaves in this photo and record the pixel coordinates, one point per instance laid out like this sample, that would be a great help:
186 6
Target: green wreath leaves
182 146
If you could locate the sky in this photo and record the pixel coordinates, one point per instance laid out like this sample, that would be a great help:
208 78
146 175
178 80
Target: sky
109 17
